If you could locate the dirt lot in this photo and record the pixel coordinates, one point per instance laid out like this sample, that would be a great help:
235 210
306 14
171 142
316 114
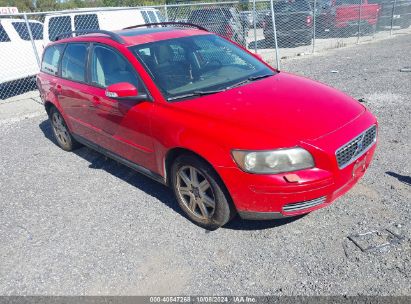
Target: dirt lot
77 223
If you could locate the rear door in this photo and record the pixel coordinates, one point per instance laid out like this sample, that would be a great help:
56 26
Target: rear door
72 89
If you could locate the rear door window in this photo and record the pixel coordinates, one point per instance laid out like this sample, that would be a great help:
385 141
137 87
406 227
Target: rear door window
3 35
36 30
73 63
51 59
59 25
86 22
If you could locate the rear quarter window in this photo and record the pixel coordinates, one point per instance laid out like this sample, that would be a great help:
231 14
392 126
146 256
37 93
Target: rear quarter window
59 25
51 59
3 35
36 30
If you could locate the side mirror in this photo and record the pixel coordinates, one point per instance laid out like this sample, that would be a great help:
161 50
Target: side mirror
125 91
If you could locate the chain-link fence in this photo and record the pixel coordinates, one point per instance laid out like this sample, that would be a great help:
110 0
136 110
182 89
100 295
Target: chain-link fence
276 29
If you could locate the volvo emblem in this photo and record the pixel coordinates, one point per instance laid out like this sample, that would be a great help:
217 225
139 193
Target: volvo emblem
359 146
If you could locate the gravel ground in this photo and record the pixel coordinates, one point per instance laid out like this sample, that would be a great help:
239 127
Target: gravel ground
80 224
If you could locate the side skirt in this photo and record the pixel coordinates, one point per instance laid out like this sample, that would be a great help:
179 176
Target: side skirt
120 159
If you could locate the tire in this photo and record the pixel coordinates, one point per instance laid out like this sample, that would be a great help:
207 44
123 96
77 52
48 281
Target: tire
61 132
200 192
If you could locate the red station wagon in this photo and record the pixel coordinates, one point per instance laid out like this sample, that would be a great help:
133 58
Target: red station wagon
194 111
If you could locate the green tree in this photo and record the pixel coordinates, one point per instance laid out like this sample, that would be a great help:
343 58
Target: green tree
22 5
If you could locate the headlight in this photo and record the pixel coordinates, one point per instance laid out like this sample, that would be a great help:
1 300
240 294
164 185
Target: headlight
276 161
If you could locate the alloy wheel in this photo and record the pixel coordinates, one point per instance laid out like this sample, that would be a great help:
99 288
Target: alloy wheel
60 129
195 192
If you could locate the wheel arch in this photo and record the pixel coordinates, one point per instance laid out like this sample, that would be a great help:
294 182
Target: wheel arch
172 155
48 105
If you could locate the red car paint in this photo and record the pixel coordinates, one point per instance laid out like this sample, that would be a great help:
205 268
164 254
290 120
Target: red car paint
281 111
348 14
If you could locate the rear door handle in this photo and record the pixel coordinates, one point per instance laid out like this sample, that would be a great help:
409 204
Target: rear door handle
58 89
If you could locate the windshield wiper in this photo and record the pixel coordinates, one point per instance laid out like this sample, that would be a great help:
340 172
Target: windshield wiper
202 93
249 79
195 93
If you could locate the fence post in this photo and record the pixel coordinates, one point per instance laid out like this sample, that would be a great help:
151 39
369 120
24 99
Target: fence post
314 13
277 55
32 40
255 26
359 22
392 15
166 11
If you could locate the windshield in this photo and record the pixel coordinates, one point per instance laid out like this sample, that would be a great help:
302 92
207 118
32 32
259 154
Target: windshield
191 64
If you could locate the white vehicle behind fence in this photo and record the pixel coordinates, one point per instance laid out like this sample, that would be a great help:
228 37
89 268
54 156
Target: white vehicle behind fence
103 19
19 65
18 59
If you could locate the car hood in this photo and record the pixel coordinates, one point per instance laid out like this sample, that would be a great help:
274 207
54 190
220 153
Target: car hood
285 106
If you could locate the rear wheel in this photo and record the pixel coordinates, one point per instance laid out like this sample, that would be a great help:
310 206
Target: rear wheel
61 132
200 193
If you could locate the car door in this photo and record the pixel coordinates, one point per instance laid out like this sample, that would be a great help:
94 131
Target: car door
124 125
72 90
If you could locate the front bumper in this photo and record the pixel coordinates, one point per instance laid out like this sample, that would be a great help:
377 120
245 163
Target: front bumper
263 197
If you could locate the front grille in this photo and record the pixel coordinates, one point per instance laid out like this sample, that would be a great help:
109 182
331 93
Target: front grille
356 147
304 205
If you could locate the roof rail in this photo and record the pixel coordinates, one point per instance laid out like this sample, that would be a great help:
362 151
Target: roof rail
166 23
112 35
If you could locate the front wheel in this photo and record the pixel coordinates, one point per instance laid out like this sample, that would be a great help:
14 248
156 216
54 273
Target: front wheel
200 193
